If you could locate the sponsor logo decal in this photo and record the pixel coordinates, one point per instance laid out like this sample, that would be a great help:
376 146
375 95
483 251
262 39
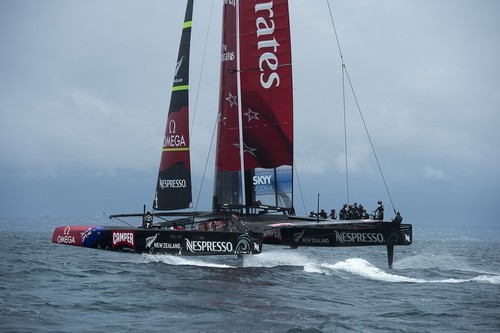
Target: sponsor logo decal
315 240
151 244
123 238
208 246
85 234
151 240
263 184
226 55
256 247
172 183
173 140
268 60
407 238
262 180
359 237
230 2
272 233
298 236
66 238
175 246
244 245
177 67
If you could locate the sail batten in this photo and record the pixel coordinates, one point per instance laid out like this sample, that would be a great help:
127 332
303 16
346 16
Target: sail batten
173 187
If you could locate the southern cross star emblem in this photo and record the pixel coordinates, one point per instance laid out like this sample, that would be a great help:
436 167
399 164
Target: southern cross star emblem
246 149
232 100
221 119
252 115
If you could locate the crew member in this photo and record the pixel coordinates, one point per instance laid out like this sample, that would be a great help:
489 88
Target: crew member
398 219
343 212
147 221
379 212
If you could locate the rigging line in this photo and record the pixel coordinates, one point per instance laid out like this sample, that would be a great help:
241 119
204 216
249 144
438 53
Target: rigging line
196 104
344 68
345 135
201 69
130 225
206 164
369 138
335 31
300 187
343 101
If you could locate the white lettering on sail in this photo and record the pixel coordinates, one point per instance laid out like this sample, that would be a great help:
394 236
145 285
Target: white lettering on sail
173 139
177 67
226 55
261 180
262 183
230 2
172 183
268 61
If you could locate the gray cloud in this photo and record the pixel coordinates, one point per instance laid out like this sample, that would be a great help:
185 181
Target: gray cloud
85 89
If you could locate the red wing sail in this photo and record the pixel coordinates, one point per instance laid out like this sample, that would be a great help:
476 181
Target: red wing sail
173 187
266 108
227 186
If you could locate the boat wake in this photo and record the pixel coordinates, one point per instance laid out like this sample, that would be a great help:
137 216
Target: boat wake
363 268
287 258
183 261
270 259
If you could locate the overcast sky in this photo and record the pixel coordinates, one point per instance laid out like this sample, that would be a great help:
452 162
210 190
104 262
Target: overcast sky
85 88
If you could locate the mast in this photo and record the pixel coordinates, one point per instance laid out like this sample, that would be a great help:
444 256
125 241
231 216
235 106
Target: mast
173 187
240 113
255 144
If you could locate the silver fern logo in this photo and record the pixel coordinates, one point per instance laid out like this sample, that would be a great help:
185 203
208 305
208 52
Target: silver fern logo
150 241
177 67
298 236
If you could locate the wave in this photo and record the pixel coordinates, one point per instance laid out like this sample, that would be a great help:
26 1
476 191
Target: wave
275 258
183 261
355 266
363 268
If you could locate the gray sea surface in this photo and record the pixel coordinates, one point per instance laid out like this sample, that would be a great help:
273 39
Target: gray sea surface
448 280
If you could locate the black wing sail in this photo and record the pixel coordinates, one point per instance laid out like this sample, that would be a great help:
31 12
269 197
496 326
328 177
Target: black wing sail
173 186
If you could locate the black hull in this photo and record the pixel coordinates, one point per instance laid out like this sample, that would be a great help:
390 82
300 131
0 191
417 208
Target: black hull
160 241
338 234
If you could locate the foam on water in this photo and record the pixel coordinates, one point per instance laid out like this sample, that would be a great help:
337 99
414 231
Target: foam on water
275 258
183 261
363 268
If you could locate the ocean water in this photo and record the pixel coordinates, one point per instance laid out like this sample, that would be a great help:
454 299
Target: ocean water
447 281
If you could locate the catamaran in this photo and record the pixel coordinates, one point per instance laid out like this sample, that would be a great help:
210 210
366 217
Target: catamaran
252 201
187 233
